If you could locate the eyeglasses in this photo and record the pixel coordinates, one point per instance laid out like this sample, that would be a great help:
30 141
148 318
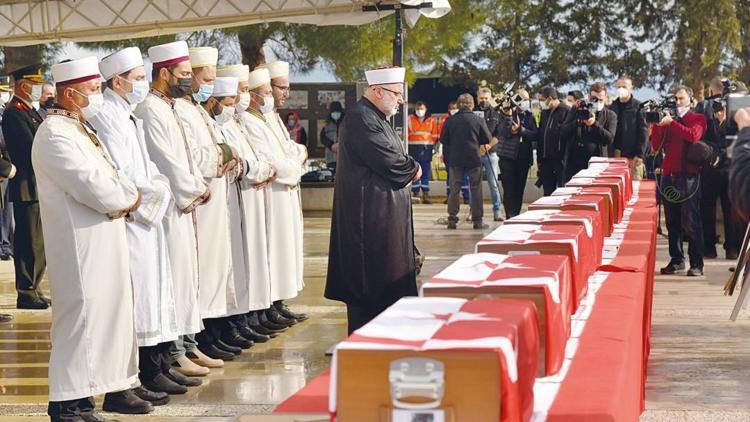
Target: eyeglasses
282 88
396 93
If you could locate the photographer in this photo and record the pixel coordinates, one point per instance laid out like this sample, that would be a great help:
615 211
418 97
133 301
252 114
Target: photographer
550 143
632 130
518 130
590 129
489 152
679 179
739 168
715 177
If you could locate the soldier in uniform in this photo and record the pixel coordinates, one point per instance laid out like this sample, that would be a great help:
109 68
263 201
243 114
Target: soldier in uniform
20 123
6 214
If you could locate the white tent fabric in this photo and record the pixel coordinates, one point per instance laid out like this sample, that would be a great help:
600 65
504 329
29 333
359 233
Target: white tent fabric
28 22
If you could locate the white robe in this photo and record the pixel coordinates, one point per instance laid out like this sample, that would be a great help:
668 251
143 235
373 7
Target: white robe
283 216
153 288
215 258
169 150
297 153
93 336
248 221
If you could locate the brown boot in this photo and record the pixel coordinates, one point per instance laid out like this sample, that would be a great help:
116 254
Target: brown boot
426 198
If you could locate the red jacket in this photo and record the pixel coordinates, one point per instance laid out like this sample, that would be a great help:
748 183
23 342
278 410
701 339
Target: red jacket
675 137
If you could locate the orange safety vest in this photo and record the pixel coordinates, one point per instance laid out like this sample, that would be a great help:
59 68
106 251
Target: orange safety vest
426 132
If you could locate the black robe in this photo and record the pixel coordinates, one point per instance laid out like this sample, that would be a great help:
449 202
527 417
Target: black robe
371 256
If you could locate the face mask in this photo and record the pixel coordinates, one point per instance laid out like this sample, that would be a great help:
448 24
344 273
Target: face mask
420 113
244 102
35 104
227 114
599 105
139 93
4 97
49 102
96 101
291 122
36 93
204 93
267 105
682 111
623 93
335 115
452 111
544 105
184 87
484 105
526 105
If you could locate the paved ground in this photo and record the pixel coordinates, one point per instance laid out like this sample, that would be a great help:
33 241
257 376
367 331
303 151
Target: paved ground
700 362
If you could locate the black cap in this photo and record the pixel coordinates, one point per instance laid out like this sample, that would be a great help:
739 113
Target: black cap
32 73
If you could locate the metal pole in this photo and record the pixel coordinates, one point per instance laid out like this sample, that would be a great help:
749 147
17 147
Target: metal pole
398 60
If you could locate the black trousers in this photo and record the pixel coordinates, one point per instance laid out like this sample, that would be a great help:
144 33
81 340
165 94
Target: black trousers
359 315
715 186
475 186
551 174
70 408
211 333
153 360
29 260
514 175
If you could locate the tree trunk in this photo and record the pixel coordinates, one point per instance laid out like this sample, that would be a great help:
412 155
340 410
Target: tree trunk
251 41
17 57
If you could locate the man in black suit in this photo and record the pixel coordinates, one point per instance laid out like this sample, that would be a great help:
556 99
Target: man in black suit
20 122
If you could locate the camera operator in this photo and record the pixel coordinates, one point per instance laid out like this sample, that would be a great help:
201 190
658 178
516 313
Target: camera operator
550 143
739 167
715 177
489 152
518 130
632 130
590 129
673 134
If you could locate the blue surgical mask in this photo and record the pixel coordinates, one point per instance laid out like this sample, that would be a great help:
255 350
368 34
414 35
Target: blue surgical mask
204 93
335 115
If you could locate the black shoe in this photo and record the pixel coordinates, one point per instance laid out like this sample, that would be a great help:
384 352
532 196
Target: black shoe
253 321
126 402
732 255
275 316
45 298
263 318
4 257
452 225
227 348
263 331
236 340
672 268
251 335
481 226
286 312
162 384
30 302
156 399
87 416
6 318
215 353
695 272
183 380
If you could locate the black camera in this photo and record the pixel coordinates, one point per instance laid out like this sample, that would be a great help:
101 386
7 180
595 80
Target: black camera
586 109
508 100
655 110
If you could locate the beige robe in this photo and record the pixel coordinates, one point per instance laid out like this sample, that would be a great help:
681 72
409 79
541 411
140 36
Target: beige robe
80 196
283 222
215 257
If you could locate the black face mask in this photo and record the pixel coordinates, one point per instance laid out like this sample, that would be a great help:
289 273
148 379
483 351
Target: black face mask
184 87
484 105
49 102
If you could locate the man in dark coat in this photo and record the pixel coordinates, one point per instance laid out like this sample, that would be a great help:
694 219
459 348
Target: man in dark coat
371 261
20 122
632 131
462 136
550 142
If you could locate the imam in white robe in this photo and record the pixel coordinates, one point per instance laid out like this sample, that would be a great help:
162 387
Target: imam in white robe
122 134
215 256
170 152
83 198
283 223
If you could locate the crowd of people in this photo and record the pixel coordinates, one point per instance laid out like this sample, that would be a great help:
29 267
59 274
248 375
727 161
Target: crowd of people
167 214
566 133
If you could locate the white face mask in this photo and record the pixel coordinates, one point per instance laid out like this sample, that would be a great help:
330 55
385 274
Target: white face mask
139 93
623 93
453 111
599 105
35 104
243 103
226 115
267 105
4 96
36 93
682 111
420 113
526 105
96 101
544 105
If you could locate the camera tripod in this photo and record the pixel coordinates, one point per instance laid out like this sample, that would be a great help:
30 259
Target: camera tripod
740 271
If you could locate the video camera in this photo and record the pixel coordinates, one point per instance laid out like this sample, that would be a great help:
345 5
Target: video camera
655 109
509 99
586 109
